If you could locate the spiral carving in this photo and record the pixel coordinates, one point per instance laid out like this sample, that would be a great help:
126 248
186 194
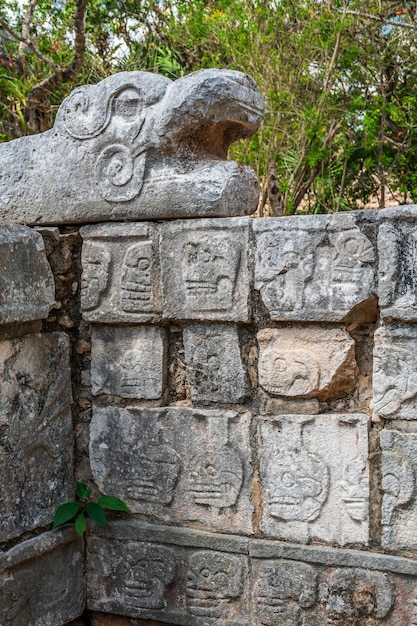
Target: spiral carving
119 176
82 119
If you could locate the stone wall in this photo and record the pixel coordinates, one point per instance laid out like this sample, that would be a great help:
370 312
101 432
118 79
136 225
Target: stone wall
237 384
246 385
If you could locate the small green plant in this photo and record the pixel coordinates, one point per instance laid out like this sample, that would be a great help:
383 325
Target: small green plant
78 510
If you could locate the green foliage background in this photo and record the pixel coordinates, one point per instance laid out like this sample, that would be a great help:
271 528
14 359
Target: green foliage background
339 78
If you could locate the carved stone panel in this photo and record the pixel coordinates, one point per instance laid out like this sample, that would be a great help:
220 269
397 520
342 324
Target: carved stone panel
306 362
395 372
215 584
141 574
397 270
214 364
137 146
128 361
284 592
36 441
41 581
315 268
314 472
168 574
27 289
399 505
293 593
143 456
205 269
120 280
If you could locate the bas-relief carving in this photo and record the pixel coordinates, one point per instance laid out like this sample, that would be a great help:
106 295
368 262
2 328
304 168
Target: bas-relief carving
292 593
283 591
214 364
142 455
306 362
120 279
310 270
136 368
137 146
96 267
215 583
43 590
397 271
296 480
216 475
357 597
314 472
136 285
399 506
129 577
120 435
149 570
35 431
394 375
204 270
27 289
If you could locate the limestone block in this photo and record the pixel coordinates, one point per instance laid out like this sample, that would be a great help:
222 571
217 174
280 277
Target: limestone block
27 289
397 270
306 362
42 581
128 361
395 367
214 364
203 478
36 441
137 146
315 268
292 593
169 575
399 506
314 472
205 270
121 279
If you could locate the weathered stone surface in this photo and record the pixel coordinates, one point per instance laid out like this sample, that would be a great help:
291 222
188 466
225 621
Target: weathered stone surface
36 440
291 593
306 362
27 289
399 506
283 591
214 364
324 555
143 456
314 472
130 565
180 582
395 372
205 270
137 146
397 268
315 268
41 581
120 280
128 361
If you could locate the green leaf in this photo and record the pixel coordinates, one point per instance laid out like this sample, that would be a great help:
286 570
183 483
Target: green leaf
113 504
80 524
65 513
96 512
82 491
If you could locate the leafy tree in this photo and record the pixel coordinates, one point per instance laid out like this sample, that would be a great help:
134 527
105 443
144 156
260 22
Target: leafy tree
339 78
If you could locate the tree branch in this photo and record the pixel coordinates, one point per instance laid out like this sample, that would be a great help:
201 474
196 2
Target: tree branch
377 18
64 75
29 44
79 47
26 27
